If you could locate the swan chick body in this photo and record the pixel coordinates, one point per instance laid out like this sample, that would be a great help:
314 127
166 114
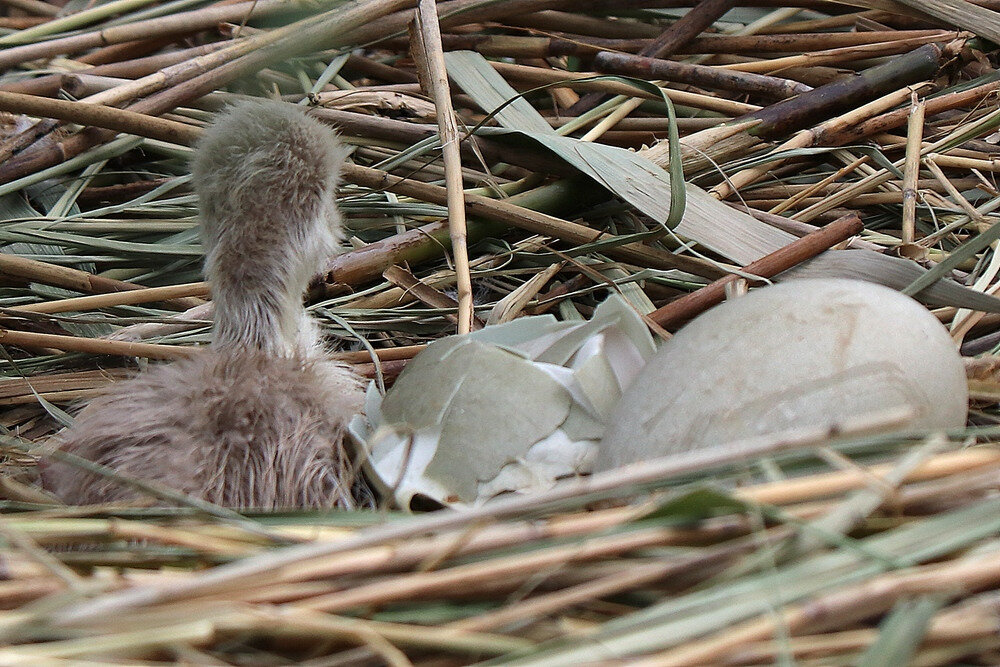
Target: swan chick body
258 419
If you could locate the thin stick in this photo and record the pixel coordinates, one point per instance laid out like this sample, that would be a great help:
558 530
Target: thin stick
537 76
36 7
424 293
181 23
70 278
97 115
384 354
675 37
911 168
810 245
43 341
131 297
429 42
745 177
834 56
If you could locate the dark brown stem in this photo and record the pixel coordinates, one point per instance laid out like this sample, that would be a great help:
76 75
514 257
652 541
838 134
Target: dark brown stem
687 28
520 46
802 43
677 312
700 75
787 116
673 38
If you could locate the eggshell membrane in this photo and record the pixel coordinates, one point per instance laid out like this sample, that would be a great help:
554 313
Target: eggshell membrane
802 353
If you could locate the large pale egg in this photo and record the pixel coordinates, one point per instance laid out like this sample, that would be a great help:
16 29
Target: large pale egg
803 353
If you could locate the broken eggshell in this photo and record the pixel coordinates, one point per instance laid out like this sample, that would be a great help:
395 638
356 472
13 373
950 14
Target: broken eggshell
511 407
803 353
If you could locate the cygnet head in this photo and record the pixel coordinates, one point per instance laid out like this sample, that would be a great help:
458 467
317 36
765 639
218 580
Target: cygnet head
266 175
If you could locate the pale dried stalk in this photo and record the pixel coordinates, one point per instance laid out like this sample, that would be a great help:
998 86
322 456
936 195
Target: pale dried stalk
537 76
960 162
69 278
833 56
911 169
41 341
841 606
198 632
509 307
424 293
407 586
132 297
848 119
58 397
429 39
882 176
823 485
636 575
805 193
292 622
953 192
612 119
96 115
744 178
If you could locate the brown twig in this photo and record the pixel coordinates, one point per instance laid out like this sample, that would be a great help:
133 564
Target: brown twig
667 44
810 245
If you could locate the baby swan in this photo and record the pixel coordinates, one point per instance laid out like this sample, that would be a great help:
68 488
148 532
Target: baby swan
258 419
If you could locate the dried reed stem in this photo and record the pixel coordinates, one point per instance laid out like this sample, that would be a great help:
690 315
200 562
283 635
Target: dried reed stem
131 297
41 341
911 169
431 58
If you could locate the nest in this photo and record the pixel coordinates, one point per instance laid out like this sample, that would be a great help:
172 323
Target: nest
812 546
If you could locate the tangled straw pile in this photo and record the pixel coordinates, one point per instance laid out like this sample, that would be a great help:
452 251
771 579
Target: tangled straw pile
822 548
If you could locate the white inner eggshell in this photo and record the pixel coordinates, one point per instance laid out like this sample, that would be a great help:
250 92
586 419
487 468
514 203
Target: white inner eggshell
803 353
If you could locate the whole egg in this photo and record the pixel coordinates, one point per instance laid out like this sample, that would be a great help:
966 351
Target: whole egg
802 353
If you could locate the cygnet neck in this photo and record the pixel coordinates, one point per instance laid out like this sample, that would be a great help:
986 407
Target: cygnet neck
262 312
266 176
258 280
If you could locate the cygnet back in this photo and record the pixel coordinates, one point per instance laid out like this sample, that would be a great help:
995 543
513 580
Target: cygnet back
257 420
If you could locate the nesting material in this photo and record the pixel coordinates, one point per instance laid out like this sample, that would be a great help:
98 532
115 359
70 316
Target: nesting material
804 353
258 420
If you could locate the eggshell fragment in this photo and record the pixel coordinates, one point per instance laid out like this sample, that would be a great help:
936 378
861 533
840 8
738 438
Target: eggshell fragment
510 408
803 353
